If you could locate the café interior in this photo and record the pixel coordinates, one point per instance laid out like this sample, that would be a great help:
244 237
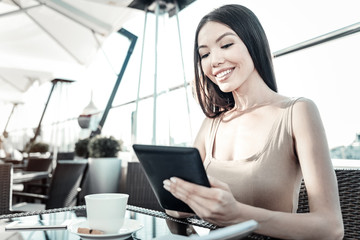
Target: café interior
82 81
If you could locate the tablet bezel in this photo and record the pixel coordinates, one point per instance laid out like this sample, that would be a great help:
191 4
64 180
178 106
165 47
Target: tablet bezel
163 162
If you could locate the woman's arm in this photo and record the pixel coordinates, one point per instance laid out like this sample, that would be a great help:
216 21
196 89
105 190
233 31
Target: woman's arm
324 220
218 205
201 138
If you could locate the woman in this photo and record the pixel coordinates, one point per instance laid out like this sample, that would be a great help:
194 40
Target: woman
256 144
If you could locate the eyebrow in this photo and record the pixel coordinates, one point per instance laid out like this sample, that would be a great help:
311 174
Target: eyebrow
218 39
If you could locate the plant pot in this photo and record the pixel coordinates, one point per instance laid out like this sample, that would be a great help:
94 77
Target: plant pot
104 175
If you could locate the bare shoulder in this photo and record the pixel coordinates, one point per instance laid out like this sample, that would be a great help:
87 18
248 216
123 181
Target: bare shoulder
303 103
304 108
306 116
205 126
207 122
201 139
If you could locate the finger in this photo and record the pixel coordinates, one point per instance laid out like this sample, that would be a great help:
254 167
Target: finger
174 189
183 190
207 206
179 193
192 193
186 188
214 182
209 209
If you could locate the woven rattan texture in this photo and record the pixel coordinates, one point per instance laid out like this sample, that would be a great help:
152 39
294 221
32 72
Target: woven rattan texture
38 164
150 212
63 189
5 185
139 188
349 192
66 180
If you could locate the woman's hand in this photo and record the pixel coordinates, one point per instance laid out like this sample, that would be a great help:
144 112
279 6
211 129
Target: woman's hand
215 204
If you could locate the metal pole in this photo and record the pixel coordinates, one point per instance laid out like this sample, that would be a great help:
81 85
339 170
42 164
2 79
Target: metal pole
135 116
133 40
155 74
20 10
342 32
183 69
54 82
8 120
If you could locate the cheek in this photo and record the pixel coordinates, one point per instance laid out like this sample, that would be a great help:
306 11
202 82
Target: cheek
246 60
249 66
206 68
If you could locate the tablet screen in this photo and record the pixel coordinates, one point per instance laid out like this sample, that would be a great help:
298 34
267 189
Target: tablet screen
163 162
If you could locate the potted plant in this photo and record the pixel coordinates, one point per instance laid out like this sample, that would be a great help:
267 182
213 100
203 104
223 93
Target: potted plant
104 147
104 165
37 149
81 148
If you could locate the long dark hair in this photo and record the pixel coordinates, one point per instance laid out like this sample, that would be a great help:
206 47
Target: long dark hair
247 26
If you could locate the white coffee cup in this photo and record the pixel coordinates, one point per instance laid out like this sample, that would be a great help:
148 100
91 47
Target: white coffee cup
106 211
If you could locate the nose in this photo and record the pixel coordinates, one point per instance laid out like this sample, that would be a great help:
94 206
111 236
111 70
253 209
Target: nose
216 59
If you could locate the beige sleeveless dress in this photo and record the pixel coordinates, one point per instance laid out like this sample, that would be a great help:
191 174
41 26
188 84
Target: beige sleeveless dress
269 179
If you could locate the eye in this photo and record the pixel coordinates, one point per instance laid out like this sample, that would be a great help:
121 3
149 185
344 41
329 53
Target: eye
227 45
202 56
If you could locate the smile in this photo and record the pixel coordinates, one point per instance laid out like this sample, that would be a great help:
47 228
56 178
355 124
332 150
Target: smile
222 74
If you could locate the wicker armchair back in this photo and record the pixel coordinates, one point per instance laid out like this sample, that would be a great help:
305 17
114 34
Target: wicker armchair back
139 188
349 192
5 187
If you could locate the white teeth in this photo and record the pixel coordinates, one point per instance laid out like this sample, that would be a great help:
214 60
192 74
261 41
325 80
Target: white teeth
223 73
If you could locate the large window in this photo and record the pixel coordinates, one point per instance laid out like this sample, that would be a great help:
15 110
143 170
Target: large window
327 73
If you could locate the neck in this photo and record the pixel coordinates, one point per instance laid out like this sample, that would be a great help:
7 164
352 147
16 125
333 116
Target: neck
253 93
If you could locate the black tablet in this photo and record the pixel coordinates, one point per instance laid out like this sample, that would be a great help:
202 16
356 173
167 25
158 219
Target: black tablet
163 162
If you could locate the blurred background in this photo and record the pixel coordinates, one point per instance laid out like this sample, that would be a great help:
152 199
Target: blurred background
57 77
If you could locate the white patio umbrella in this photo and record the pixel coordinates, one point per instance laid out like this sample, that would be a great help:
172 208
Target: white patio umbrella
14 82
45 39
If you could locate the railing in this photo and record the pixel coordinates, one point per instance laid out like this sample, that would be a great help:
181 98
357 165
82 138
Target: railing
342 32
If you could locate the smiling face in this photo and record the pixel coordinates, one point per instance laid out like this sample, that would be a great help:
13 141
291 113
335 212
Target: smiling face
225 59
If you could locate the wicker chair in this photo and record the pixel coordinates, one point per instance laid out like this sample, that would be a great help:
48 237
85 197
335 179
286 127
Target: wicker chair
139 189
349 192
65 156
5 187
34 164
63 190
39 164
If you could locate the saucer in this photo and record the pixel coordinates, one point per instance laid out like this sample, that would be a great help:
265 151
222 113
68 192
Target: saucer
130 226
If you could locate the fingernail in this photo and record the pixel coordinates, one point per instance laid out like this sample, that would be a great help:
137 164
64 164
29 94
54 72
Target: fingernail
166 182
173 180
166 187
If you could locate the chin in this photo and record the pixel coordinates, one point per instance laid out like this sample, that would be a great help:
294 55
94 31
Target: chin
225 89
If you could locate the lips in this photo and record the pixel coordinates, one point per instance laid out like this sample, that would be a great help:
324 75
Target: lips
223 74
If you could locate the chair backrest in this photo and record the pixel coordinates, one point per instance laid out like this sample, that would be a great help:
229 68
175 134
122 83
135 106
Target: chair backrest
65 156
139 189
5 187
65 184
39 164
349 193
